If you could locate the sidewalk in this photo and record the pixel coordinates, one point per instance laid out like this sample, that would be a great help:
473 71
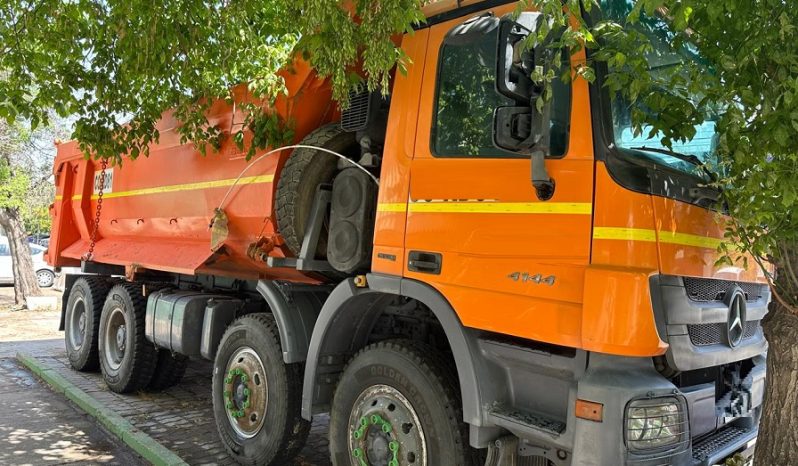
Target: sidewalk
38 428
181 418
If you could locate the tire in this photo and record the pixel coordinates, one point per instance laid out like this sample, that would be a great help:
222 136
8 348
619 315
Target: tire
304 171
253 435
169 370
86 298
127 361
412 389
45 278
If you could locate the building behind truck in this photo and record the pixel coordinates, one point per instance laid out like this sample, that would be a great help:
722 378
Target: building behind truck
454 276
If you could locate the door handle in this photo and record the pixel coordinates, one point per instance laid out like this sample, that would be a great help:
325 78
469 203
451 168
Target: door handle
424 262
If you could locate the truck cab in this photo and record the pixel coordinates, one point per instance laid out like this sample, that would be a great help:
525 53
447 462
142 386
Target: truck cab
516 283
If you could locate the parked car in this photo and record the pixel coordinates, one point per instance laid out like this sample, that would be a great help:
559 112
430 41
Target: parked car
45 274
40 239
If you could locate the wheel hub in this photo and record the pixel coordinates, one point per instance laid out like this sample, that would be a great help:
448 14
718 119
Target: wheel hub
121 338
115 338
77 324
385 429
246 392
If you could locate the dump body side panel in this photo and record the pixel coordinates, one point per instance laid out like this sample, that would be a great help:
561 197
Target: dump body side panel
156 210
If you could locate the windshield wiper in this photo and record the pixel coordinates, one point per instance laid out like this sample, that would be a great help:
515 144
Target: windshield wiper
689 158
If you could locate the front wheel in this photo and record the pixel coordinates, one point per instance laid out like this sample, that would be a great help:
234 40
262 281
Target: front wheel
397 404
256 396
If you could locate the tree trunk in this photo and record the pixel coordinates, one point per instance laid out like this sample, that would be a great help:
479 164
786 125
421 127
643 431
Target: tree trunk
778 434
25 283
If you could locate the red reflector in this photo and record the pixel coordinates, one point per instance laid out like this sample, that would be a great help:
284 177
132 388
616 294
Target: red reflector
589 410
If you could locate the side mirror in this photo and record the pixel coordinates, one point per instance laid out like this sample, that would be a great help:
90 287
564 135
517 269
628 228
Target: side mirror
521 128
514 63
516 129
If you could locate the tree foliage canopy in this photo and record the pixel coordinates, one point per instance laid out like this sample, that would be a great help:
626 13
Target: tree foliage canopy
107 61
26 165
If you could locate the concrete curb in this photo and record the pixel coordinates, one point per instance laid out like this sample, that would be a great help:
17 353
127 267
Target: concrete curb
140 442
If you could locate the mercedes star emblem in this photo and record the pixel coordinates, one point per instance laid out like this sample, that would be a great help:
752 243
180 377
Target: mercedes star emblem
735 324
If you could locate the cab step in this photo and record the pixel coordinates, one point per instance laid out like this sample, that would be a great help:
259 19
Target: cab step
518 422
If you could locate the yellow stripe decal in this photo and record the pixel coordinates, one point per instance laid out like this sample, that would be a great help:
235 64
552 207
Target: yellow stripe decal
184 187
392 207
580 208
647 235
628 234
685 239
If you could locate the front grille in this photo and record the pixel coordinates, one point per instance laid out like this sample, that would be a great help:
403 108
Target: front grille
705 447
710 289
712 334
533 461
356 117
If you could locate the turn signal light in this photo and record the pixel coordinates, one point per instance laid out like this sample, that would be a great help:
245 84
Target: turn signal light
590 410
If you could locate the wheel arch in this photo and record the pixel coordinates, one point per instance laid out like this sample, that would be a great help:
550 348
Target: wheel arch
345 320
295 314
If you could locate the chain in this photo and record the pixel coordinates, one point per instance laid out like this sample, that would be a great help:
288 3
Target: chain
99 210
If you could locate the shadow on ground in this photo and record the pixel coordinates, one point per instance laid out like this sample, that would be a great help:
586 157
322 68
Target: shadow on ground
41 428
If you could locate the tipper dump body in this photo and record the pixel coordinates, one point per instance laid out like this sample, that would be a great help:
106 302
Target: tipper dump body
156 211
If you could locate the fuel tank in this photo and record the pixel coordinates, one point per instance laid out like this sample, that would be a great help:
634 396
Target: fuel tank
156 210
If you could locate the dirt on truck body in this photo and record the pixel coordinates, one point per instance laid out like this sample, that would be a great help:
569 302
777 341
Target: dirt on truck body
454 276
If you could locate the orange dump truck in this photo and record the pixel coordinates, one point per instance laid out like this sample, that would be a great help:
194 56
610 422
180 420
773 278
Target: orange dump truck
454 276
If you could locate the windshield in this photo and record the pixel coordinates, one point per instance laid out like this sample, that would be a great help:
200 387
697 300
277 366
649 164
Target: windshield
663 59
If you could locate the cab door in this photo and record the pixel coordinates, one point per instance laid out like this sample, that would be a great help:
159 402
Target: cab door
476 231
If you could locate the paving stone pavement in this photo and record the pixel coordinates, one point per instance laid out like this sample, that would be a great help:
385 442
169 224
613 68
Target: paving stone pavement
181 418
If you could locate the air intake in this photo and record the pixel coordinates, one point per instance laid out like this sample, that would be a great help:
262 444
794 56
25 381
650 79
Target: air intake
357 116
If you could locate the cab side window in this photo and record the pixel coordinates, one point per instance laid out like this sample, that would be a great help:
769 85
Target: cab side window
4 250
466 98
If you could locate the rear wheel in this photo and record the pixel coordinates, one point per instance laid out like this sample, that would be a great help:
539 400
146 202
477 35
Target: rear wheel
82 322
256 397
169 370
127 359
396 403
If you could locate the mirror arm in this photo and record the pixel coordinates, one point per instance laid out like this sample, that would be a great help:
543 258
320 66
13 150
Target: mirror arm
543 183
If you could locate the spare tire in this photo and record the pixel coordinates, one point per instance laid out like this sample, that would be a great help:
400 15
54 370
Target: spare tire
304 171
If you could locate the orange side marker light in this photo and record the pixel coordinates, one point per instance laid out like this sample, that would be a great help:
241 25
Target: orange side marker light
590 410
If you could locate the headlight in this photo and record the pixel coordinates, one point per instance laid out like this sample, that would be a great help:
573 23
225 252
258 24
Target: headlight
655 423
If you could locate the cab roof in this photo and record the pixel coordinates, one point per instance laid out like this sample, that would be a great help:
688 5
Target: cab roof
439 11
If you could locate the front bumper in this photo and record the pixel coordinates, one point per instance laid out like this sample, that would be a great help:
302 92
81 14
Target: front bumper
614 381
